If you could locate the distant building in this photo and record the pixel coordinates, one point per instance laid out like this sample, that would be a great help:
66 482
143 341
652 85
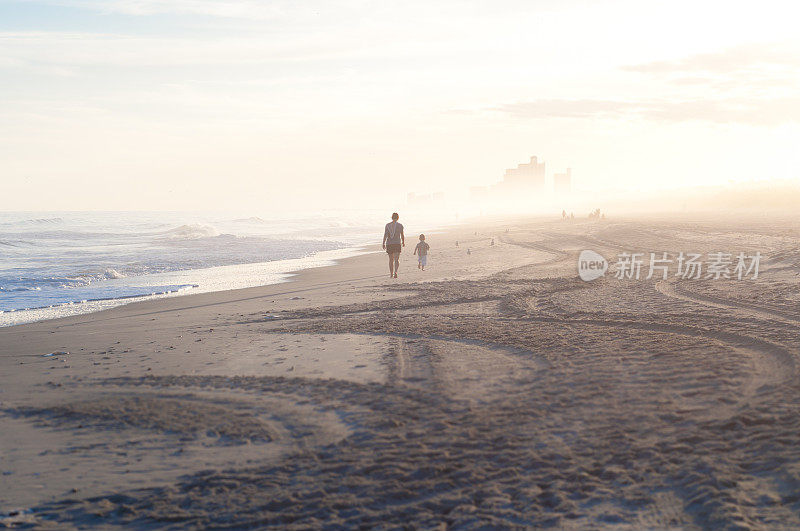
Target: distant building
525 184
529 175
526 177
562 182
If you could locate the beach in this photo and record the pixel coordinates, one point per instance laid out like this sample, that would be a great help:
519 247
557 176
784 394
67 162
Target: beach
495 388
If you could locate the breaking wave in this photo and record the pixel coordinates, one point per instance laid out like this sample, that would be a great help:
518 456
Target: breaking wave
37 221
112 273
192 231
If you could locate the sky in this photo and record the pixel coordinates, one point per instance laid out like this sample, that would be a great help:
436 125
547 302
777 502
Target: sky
276 105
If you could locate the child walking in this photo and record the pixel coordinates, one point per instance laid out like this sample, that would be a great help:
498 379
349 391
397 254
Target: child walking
421 250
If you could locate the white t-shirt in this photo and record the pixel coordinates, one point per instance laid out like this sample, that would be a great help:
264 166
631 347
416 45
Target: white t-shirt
392 232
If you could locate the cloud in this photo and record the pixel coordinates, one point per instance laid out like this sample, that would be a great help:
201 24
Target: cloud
745 58
271 9
76 50
91 49
751 84
217 8
760 112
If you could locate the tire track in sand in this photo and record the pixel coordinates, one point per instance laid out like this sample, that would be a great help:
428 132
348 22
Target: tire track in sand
673 290
560 254
773 364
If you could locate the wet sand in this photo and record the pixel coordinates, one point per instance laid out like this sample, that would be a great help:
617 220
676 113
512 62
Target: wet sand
493 389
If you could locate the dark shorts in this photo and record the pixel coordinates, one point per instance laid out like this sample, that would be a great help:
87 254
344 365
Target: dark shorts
392 248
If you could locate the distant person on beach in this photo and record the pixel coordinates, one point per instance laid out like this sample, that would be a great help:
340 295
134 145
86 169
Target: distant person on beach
421 250
393 241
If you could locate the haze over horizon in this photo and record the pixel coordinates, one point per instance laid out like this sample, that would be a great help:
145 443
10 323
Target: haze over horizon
243 105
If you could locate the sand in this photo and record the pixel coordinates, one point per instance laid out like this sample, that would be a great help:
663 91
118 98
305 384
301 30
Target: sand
492 389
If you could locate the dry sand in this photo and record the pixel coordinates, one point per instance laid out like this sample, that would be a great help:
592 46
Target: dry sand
494 389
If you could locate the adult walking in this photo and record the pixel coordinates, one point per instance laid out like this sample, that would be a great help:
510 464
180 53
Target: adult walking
393 241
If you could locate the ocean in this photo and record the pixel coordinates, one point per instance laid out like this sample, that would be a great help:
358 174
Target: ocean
56 264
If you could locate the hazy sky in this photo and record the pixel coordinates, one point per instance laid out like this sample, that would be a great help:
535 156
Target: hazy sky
195 104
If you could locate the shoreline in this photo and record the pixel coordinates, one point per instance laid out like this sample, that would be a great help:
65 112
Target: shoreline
282 270
188 282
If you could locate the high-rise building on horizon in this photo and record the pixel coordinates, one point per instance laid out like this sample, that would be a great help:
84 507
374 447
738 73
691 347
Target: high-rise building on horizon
524 183
528 174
